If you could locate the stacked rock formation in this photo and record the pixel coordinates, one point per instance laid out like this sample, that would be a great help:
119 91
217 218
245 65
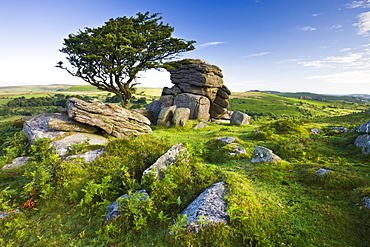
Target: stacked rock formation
198 86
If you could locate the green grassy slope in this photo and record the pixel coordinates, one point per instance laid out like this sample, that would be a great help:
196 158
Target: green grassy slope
264 104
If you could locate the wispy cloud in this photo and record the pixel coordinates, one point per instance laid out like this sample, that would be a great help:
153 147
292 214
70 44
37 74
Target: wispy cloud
211 43
358 60
364 24
257 54
345 49
335 27
314 15
359 4
307 28
345 77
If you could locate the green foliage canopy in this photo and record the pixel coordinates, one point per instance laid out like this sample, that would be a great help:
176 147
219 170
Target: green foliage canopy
111 56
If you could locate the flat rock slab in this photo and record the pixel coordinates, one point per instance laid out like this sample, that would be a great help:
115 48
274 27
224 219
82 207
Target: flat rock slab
208 207
89 156
167 159
37 127
16 162
111 118
62 146
65 123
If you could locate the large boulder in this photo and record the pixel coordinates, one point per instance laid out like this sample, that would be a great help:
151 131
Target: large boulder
37 127
363 142
262 154
111 118
171 157
62 146
198 105
208 207
239 118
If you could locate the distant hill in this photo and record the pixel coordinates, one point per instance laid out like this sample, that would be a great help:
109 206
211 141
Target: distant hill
321 97
34 88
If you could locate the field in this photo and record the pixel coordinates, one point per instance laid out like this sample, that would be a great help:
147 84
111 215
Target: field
270 204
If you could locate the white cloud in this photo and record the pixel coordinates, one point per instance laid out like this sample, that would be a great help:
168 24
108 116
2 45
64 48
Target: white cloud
335 27
345 49
359 4
307 28
211 43
257 54
363 24
314 15
345 77
358 60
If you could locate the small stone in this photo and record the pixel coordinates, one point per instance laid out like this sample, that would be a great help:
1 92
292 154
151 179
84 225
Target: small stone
322 171
113 209
201 125
262 154
16 162
367 202
89 156
227 139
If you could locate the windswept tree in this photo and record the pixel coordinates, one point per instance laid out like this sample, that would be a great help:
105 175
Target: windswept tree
110 57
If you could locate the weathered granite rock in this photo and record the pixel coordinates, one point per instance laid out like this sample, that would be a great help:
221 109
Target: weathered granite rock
208 207
36 127
89 156
166 115
181 116
148 114
16 162
239 118
194 82
217 111
155 107
169 158
262 154
364 128
65 123
227 115
238 150
322 171
113 209
363 142
111 118
62 146
198 105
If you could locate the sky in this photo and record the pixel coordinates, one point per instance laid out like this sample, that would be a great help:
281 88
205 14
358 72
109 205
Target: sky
318 46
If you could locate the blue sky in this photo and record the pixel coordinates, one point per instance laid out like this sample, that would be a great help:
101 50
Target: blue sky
320 46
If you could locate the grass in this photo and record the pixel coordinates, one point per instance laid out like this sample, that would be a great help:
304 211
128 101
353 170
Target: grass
270 204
